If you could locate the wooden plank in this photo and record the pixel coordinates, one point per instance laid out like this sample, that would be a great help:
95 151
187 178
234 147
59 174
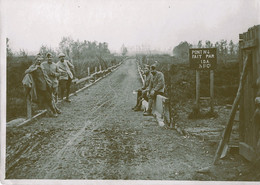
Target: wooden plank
83 79
241 110
247 151
226 134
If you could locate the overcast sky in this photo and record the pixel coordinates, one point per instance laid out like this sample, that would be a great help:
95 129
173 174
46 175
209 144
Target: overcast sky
155 23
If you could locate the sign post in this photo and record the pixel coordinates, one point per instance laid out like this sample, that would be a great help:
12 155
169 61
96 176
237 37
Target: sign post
203 59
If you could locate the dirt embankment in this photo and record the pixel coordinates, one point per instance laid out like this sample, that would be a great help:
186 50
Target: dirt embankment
98 136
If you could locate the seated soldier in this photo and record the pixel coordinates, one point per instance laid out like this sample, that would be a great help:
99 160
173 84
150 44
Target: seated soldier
143 92
156 88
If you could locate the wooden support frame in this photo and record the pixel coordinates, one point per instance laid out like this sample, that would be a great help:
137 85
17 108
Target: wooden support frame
227 131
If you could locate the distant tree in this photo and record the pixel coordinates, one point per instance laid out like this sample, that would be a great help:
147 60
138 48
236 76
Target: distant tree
223 47
65 45
181 51
123 50
231 47
200 44
217 44
236 48
45 49
8 49
23 53
208 44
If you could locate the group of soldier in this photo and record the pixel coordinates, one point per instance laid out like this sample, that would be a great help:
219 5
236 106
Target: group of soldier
47 78
153 85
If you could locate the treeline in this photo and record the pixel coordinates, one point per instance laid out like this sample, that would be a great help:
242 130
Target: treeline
83 54
227 50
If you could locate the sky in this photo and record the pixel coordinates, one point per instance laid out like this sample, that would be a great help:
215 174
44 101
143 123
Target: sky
156 24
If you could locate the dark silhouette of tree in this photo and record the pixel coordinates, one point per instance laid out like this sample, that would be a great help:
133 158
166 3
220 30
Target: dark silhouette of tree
123 50
181 51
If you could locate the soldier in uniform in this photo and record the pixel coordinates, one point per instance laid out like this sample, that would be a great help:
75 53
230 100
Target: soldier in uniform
53 73
156 87
66 76
144 91
43 85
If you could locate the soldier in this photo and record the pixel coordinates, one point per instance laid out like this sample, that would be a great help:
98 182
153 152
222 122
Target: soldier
156 88
53 73
66 76
143 92
43 84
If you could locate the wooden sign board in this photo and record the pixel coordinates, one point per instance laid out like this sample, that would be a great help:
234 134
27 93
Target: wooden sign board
203 58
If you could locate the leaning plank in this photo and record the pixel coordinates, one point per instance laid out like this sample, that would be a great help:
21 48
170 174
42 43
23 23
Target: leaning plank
226 134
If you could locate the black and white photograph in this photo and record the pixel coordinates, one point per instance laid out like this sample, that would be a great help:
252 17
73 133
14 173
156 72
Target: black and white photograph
130 92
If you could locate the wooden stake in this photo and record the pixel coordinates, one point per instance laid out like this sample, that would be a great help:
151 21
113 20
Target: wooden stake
29 107
88 71
95 73
226 134
212 91
197 90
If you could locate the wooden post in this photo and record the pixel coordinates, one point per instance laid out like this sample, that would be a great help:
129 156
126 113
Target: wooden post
88 71
95 73
197 92
29 107
168 102
226 134
212 91
100 68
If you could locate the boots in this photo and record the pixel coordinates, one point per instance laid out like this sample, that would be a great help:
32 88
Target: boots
150 105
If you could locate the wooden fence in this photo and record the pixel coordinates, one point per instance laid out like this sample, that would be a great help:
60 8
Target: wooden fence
249 133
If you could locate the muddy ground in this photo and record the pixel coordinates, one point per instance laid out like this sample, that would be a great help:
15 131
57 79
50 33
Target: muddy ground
98 136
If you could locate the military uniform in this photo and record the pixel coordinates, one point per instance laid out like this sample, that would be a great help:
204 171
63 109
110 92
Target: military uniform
66 76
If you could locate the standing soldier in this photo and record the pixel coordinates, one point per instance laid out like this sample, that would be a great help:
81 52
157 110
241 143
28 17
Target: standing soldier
66 76
143 93
156 88
43 84
53 73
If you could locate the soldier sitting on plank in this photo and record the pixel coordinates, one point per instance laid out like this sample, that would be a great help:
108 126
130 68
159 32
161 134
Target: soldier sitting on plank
156 87
143 92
